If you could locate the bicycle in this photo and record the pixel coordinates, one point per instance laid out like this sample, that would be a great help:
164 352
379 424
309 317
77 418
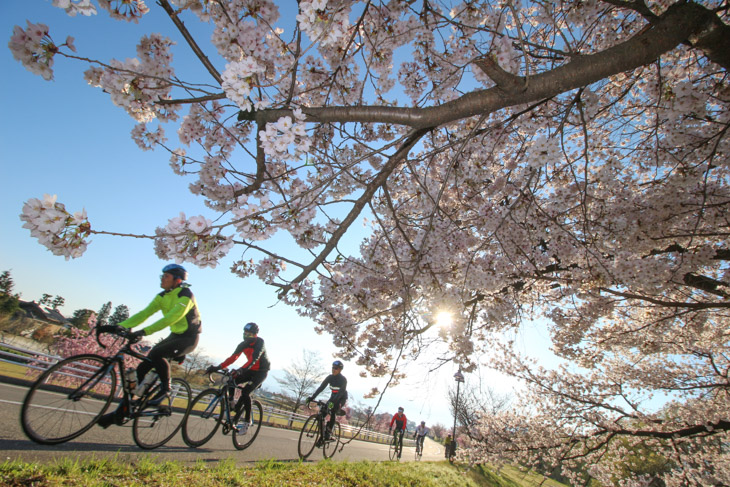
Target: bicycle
419 448
212 408
71 396
396 445
312 434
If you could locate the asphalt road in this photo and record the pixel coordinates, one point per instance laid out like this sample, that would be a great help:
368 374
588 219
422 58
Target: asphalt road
116 442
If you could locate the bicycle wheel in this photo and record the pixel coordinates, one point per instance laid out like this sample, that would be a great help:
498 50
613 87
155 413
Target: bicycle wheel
68 399
330 446
243 441
309 436
393 449
418 451
204 418
154 426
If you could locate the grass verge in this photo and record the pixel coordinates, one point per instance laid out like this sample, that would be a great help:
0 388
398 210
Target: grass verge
148 473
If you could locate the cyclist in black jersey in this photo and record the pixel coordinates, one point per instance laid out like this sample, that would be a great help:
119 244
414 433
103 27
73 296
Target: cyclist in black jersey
338 385
253 372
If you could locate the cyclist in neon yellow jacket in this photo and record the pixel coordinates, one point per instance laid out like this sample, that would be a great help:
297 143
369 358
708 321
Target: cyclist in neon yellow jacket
180 314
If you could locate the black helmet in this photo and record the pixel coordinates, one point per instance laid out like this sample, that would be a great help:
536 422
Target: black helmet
177 271
251 328
338 365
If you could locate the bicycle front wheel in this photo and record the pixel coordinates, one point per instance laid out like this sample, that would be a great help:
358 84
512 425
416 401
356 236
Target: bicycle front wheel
309 436
393 450
156 425
67 399
243 440
204 418
330 446
418 451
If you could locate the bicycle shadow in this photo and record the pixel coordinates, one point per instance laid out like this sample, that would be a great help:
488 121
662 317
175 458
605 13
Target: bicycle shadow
85 447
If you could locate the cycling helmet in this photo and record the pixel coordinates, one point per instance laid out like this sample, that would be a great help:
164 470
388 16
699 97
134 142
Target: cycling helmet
177 271
251 328
423 423
338 365
400 410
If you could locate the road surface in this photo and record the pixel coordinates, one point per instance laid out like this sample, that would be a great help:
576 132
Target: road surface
116 442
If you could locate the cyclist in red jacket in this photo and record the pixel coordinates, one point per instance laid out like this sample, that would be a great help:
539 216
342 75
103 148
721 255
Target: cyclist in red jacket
400 427
254 371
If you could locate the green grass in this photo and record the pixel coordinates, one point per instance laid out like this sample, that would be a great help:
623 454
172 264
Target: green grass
149 473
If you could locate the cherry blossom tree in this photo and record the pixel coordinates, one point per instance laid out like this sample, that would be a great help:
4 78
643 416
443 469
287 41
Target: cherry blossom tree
566 161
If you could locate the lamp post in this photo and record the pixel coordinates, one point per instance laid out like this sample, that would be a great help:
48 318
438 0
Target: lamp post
459 378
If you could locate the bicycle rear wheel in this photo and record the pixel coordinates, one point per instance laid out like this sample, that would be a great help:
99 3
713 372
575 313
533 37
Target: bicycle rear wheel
68 399
309 436
204 417
156 425
330 446
243 441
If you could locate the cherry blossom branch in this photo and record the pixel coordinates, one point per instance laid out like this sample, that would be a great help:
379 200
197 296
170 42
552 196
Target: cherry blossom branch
367 195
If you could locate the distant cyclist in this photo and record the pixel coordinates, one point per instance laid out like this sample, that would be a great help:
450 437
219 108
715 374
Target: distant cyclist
420 435
253 372
400 421
180 314
338 397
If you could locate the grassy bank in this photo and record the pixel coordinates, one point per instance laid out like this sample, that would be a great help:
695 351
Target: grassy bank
270 474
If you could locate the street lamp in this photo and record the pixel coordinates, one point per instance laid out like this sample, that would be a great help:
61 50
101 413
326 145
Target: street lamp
459 378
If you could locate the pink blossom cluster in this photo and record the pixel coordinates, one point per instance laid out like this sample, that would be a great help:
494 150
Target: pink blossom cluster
192 240
137 84
73 7
55 228
279 136
35 49
324 21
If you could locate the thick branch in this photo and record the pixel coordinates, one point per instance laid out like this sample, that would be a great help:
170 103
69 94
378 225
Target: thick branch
680 23
191 42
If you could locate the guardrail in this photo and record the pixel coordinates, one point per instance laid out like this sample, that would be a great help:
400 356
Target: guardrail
273 416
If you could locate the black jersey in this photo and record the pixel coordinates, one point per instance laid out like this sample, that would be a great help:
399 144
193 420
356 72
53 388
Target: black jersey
338 385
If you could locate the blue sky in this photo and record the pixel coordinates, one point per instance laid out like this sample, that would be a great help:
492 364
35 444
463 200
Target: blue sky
63 137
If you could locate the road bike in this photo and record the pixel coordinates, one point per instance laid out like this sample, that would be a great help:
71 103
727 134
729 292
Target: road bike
71 396
313 433
213 408
419 448
396 445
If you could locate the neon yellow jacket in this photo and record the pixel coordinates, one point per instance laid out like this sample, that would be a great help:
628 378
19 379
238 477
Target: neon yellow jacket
179 312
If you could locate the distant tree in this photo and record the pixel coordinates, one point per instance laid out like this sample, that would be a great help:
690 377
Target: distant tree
102 316
476 400
83 319
194 362
301 377
120 314
8 300
45 299
6 283
438 430
57 302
